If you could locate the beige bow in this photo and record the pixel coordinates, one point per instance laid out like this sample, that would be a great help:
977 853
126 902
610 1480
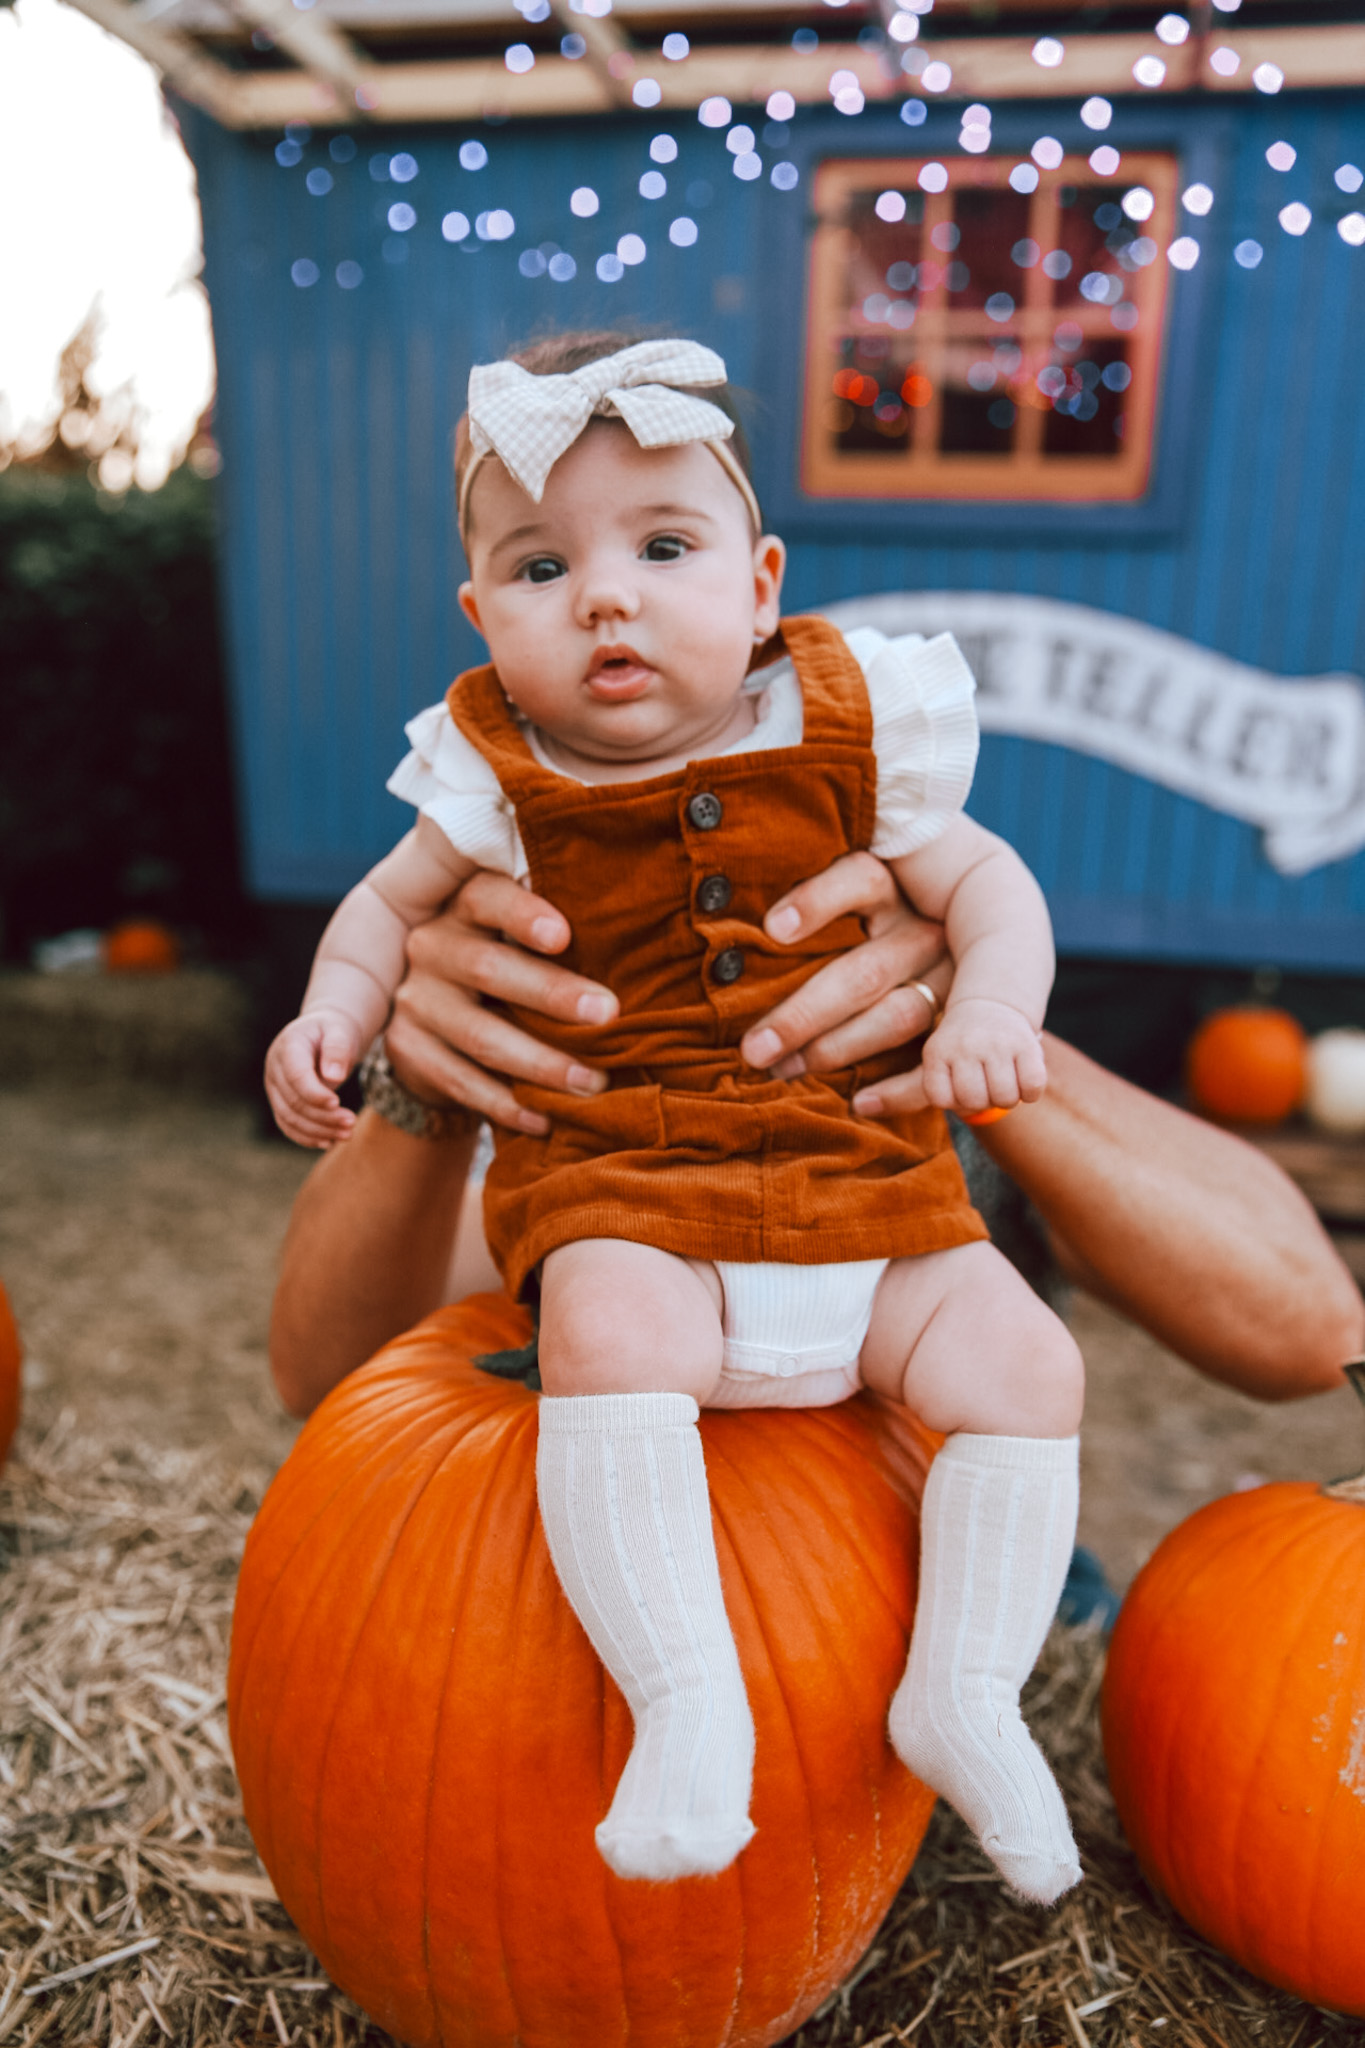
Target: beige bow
529 421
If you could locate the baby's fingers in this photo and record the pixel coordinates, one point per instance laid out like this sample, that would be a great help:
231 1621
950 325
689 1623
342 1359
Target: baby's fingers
1031 1072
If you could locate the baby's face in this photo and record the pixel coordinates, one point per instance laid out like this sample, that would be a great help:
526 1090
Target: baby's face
621 612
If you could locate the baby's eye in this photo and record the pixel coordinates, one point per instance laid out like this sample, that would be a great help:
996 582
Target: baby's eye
665 547
542 569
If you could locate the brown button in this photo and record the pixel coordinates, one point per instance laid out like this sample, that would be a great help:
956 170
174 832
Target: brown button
728 966
714 894
705 811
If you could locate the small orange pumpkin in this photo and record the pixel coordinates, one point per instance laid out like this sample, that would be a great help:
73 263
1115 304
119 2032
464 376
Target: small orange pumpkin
140 947
425 1739
1248 1066
1234 1731
11 1358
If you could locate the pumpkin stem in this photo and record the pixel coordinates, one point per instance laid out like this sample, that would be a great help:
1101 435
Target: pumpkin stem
1351 1488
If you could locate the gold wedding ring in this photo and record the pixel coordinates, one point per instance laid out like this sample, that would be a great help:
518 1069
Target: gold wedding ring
922 988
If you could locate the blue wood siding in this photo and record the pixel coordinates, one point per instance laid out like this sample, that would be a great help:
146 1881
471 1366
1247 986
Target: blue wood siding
341 560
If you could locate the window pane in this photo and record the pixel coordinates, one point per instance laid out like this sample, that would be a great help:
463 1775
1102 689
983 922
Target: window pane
979 411
1087 410
991 224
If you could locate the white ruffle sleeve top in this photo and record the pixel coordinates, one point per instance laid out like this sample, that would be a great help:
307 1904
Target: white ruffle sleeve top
924 734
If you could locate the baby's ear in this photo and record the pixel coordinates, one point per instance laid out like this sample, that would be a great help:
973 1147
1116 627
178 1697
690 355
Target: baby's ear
469 605
770 563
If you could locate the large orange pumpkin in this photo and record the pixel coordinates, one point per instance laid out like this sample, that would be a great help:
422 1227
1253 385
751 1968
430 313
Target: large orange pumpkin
1248 1066
11 1356
426 1740
1234 1729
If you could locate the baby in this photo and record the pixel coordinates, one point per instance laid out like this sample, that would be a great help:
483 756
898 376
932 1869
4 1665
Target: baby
660 754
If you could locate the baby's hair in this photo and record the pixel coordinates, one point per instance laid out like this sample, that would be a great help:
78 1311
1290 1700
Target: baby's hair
557 354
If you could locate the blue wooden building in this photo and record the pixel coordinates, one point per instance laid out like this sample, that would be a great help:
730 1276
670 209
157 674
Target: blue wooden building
1067 317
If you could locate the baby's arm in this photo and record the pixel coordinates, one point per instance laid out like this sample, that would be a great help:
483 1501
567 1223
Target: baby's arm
985 1051
359 963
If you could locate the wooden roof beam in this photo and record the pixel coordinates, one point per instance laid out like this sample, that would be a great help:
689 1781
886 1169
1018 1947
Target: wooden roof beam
314 42
609 51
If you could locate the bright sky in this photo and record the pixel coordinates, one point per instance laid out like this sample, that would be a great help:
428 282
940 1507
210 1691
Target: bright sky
97 198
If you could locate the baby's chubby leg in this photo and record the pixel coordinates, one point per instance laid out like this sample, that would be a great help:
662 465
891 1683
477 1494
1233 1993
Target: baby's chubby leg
966 1344
630 1344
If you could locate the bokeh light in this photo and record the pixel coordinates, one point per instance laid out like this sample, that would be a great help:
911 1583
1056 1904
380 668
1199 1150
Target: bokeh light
1282 156
646 92
1348 177
663 150
1351 228
1024 178
676 46
473 156
653 185
1183 252
890 206
1248 254
519 57
610 268
1150 72
455 226
584 202
936 77
1096 112
715 112
780 107
304 272
1197 199
1047 152
1225 61
319 181
1173 29
682 232
914 113
1295 219
1138 202
563 267
740 140
349 275
1267 78
933 177
494 226
785 176
1048 52
402 217
631 249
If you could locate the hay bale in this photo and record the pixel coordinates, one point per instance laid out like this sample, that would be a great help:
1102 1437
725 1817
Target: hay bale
191 1029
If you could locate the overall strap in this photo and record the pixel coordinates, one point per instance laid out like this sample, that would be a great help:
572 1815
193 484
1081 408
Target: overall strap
835 705
478 704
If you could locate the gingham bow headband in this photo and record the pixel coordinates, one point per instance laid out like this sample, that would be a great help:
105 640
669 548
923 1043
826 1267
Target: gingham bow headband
529 421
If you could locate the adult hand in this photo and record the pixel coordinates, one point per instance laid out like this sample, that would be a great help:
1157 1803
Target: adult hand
865 1001
445 1046
491 941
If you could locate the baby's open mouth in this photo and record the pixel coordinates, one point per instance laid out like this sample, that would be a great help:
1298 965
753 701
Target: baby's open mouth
617 674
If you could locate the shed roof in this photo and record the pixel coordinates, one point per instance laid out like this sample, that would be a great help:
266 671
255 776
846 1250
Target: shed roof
265 63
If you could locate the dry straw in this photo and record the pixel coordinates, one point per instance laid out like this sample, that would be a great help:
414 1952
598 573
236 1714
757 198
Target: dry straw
133 1909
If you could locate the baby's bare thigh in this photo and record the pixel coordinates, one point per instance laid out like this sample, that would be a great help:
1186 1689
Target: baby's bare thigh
617 1317
964 1342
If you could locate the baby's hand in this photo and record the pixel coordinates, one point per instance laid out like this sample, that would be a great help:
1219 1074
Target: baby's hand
303 1069
983 1055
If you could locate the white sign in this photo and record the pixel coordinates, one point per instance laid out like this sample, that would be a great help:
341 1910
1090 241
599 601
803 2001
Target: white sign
1286 755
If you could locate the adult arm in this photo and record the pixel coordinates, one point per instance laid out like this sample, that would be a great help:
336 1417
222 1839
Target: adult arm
1187 1229
366 1254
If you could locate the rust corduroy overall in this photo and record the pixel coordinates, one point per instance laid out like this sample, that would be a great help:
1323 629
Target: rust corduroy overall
665 883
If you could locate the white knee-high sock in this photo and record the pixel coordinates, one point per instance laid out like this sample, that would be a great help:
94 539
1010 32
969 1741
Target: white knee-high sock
627 1515
997 1526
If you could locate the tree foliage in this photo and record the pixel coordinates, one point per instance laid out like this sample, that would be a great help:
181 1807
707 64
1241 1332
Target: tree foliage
115 770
